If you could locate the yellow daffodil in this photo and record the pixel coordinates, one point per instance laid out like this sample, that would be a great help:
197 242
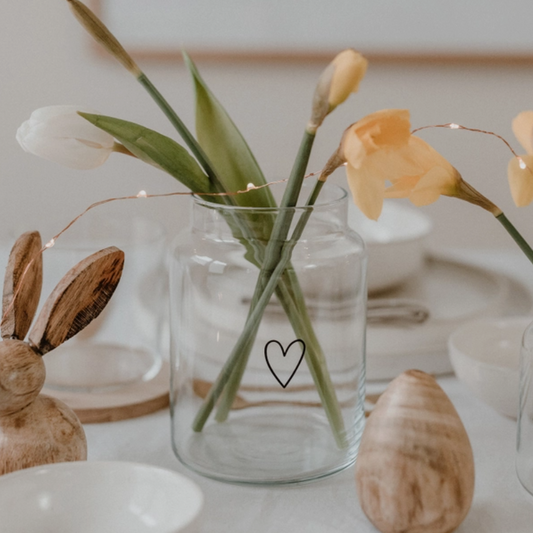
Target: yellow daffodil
340 78
519 170
375 151
380 148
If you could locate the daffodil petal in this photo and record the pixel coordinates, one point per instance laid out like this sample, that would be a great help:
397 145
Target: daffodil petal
423 154
392 165
521 180
436 181
388 129
352 147
367 191
523 130
402 187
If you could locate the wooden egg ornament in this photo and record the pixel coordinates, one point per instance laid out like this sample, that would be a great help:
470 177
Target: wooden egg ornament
36 429
415 468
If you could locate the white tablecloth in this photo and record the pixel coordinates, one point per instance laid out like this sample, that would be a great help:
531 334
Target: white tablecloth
500 504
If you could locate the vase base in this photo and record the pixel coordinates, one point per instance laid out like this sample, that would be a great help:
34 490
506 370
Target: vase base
267 449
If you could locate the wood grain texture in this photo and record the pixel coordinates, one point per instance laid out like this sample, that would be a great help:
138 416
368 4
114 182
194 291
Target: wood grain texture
79 298
19 314
34 429
415 468
129 401
22 375
46 431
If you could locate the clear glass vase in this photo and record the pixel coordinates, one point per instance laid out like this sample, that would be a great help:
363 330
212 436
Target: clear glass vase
124 345
524 458
272 393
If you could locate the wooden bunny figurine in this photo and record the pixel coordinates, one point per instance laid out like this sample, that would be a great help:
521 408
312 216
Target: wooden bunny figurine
37 429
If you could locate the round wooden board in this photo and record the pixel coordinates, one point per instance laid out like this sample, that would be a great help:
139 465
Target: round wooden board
130 401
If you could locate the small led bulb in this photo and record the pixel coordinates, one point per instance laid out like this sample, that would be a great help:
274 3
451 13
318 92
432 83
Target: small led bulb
142 194
521 163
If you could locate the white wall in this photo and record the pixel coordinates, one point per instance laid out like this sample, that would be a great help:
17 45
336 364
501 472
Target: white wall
46 58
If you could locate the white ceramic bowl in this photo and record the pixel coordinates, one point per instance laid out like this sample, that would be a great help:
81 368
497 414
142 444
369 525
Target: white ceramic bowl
395 243
91 496
485 355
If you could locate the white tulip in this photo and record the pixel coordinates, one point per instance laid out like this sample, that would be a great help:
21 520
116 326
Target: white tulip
59 134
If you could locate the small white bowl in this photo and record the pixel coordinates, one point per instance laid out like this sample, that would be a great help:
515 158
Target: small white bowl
485 355
395 243
90 496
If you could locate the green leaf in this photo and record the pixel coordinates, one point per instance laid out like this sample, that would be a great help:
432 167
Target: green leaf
225 146
155 149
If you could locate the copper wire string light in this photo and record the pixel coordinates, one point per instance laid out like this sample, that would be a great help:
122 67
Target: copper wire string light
250 187
454 126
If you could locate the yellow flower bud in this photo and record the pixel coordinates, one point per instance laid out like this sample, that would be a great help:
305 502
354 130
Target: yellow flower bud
340 78
350 68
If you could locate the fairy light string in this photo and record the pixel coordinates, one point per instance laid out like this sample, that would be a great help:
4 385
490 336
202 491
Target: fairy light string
455 126
249 187
140 194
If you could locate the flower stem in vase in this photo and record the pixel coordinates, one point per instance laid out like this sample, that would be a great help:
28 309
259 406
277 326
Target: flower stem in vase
277 256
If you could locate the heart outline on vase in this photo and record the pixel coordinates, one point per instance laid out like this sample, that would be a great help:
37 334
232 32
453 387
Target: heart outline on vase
284 353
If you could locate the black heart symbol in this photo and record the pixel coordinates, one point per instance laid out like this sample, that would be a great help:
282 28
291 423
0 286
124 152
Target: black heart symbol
284 353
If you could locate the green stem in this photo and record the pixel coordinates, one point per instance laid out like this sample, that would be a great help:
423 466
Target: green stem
182 129
513 232
229 378
234 381
314 357
272 253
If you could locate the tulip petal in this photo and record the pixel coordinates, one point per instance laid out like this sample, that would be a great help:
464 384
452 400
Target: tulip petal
523 130
367 191
521 180
59 134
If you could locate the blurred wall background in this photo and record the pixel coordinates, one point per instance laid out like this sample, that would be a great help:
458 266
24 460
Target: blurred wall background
46 58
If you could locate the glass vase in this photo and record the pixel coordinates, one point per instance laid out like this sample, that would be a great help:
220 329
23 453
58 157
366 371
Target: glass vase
524 458
267 386
124 346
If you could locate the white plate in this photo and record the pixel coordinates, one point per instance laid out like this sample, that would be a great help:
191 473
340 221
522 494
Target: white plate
94 496
454 292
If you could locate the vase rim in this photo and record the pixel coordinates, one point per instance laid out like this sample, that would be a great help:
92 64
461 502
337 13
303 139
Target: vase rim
336 197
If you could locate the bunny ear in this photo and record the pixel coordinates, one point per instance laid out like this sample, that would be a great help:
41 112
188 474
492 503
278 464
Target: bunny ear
78 299
22 285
